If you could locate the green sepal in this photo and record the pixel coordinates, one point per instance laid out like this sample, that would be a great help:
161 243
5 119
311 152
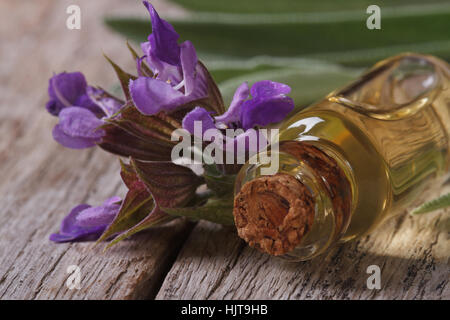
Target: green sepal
129 133
120 142
152 220
151 184
216 204
124 77
171 185
214 100
144 67
222 185
158 127
138 203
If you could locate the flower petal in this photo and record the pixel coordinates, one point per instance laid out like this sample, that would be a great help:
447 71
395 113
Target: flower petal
234 111
71 142
101 215
85 101
188 59
71 231
265 111
151 95
251 139
266 89
198 114
68 225
104 102
64 89
80 122
53 107
163 39
162 70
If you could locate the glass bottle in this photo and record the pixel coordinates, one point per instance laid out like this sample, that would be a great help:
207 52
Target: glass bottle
388 133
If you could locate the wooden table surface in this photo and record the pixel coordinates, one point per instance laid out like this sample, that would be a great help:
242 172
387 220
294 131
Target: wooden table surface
41 181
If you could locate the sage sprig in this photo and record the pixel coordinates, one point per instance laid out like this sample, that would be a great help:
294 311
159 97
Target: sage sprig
433 205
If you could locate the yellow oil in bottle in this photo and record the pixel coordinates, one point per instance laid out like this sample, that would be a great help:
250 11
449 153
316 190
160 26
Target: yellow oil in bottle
389 131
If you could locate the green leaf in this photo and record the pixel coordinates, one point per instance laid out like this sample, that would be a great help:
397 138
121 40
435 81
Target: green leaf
338 36
439 203
288 6
222 74
218 210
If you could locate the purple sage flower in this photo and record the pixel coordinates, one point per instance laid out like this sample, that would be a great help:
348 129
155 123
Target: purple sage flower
178 76
86 223
80 109
66 90
268 104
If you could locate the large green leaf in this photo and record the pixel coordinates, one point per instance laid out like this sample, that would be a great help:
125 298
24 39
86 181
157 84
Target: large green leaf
287 6
339 36
436 204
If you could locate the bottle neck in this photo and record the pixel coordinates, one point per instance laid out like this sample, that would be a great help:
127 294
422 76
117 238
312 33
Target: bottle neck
327 191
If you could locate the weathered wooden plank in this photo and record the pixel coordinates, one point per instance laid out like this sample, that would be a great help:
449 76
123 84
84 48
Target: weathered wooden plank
412 253
41 181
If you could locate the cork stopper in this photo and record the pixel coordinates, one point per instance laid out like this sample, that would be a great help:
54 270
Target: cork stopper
273 213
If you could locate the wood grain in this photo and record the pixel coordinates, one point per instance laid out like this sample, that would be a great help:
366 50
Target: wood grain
41 181
412 254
